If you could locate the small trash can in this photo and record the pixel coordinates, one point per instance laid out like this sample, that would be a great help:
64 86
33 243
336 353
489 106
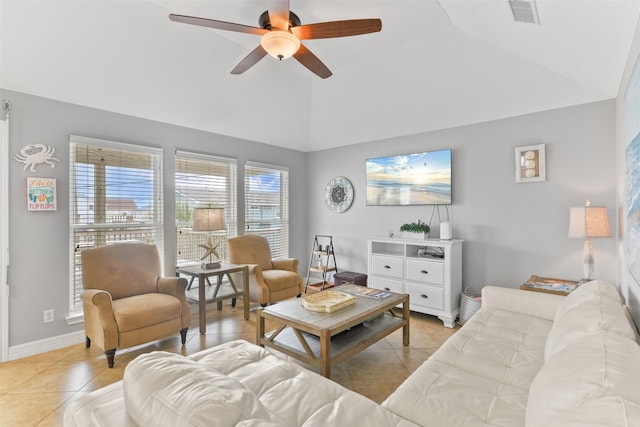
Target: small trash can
470 302
350 277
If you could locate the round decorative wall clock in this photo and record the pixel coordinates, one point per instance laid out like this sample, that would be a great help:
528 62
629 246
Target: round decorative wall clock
338 194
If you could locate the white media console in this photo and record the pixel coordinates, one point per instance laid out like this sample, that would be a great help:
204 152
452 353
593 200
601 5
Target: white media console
430 271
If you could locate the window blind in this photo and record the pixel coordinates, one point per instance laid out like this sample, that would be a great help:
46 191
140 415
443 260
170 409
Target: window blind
115 195
267 205
204 181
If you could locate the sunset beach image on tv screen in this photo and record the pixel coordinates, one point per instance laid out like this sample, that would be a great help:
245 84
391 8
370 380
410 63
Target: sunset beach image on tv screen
409 179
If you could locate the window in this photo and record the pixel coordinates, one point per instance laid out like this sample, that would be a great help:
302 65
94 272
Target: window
267 205
204 181
115 193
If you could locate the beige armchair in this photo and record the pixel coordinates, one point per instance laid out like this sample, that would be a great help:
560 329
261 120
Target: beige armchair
126 302
270 280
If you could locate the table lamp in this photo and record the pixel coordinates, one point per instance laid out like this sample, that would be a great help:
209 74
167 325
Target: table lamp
586 222
209 219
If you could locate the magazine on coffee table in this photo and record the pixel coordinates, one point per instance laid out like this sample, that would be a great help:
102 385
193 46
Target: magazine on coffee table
368 292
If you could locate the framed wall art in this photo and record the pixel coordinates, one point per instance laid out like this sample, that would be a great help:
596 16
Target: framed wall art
632 178
41 194
530 163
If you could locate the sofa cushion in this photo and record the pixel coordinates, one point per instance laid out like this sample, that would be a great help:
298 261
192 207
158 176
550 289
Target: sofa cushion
277 280
480 376
587 291
165 389
593 307
102 407
250 249
592 382
537 304
438 394
294 395
501 345
236 383
140 311
123 269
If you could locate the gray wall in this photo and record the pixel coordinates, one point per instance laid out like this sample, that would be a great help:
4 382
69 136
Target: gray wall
510 230
39 241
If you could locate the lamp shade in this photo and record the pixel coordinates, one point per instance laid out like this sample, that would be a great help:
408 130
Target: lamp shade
280 44
208 219
588 221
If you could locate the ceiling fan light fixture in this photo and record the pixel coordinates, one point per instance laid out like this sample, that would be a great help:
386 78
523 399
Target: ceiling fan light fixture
280 44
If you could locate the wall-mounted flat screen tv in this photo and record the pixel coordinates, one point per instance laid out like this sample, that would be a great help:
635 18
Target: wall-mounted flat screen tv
410 179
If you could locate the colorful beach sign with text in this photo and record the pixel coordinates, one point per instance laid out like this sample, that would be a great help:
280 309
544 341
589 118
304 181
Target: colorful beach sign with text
41 194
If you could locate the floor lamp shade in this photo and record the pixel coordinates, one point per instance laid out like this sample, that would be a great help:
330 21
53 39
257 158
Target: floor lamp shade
587 222
208 219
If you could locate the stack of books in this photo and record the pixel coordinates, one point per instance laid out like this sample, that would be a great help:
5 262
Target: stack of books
551 285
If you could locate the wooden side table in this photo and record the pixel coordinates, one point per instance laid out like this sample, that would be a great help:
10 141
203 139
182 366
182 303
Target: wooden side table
219 273
550 285
546 291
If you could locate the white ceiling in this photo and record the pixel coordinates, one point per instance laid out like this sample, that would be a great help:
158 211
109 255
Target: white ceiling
434 65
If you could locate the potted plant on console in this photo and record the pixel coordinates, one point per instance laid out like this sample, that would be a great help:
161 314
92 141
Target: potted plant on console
415 230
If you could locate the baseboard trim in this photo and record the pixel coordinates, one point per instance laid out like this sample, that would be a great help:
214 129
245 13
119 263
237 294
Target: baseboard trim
47 344
53 343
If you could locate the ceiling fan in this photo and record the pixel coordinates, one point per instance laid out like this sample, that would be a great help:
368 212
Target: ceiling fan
281 32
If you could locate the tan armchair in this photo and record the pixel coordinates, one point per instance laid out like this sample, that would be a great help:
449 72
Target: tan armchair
126 302
270 280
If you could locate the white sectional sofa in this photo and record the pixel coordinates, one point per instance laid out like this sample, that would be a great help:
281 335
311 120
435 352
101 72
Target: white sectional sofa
524 359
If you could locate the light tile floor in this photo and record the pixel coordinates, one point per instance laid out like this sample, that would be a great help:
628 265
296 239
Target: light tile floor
34 391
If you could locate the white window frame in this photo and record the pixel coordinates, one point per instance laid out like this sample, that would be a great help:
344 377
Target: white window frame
153 227
187 241
276 230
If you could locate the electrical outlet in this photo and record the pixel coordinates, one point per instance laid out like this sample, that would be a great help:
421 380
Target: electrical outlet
48 316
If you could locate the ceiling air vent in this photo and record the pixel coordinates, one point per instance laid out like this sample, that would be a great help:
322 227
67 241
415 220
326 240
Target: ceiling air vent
525 11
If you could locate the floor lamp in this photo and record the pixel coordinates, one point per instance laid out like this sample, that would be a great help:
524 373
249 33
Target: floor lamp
209 219
587 222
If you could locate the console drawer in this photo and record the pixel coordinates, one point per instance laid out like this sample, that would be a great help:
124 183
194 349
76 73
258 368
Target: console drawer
387 284
425 271
386 266
426 296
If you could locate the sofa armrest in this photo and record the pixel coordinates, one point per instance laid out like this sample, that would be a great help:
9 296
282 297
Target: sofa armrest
176 286
99 298
258 290
537 304
99 321
255 270
290 264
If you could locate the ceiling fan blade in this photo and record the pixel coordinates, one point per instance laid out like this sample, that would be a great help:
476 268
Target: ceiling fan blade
250 60
309 60
279 13
324 30
219 25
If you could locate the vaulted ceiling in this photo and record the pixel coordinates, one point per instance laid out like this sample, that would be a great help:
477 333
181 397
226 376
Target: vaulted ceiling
434 65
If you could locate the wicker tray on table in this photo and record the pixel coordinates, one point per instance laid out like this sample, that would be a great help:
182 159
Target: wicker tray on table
327 301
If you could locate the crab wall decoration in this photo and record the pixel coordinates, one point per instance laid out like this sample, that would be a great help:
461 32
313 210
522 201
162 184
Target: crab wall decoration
34 154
